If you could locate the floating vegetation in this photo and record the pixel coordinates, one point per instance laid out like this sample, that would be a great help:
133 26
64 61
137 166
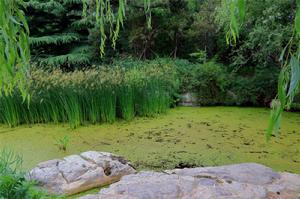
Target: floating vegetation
167 142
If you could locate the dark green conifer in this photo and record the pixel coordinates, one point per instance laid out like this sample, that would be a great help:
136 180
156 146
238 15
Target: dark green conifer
58 33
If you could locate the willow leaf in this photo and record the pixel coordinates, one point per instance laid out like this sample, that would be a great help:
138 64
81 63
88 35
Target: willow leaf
242 9
295 76
297 19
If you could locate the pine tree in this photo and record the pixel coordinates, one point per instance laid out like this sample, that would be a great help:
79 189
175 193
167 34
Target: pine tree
59 35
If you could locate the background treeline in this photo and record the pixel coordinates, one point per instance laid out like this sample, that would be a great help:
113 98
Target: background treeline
59 32
187 29
185 50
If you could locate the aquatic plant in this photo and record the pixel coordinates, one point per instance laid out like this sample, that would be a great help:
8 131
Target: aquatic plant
12 181
101 94
63 143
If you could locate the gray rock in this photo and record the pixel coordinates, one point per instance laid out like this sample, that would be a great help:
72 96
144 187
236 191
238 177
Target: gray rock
188 99
240 181
239 172
77 173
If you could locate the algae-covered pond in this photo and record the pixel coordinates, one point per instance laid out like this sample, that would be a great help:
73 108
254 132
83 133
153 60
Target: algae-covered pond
204 136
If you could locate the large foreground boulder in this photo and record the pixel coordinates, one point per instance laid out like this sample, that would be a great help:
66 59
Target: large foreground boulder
240 181
77 173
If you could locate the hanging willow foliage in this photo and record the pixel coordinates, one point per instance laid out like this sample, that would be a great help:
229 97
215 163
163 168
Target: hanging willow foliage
147 8
106 16
14 47
289 78
237 9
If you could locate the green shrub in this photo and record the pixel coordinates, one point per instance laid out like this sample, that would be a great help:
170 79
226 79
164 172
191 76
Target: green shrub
255 90
209 82
241 92
214 85
185 71
296 104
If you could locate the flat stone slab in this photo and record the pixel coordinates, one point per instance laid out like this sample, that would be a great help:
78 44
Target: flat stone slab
239 181
77 173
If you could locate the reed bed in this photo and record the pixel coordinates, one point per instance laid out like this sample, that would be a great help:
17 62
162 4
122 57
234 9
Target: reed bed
98 95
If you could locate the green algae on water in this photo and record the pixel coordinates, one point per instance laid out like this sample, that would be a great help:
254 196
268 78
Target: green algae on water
184 137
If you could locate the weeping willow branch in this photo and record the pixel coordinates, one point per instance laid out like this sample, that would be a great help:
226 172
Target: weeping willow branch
14 47
237 10
147 8
107 17
289 78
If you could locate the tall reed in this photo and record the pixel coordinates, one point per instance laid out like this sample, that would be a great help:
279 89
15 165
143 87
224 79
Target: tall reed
96 95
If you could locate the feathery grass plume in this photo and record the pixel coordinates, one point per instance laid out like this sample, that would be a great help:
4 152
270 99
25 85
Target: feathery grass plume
96 95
